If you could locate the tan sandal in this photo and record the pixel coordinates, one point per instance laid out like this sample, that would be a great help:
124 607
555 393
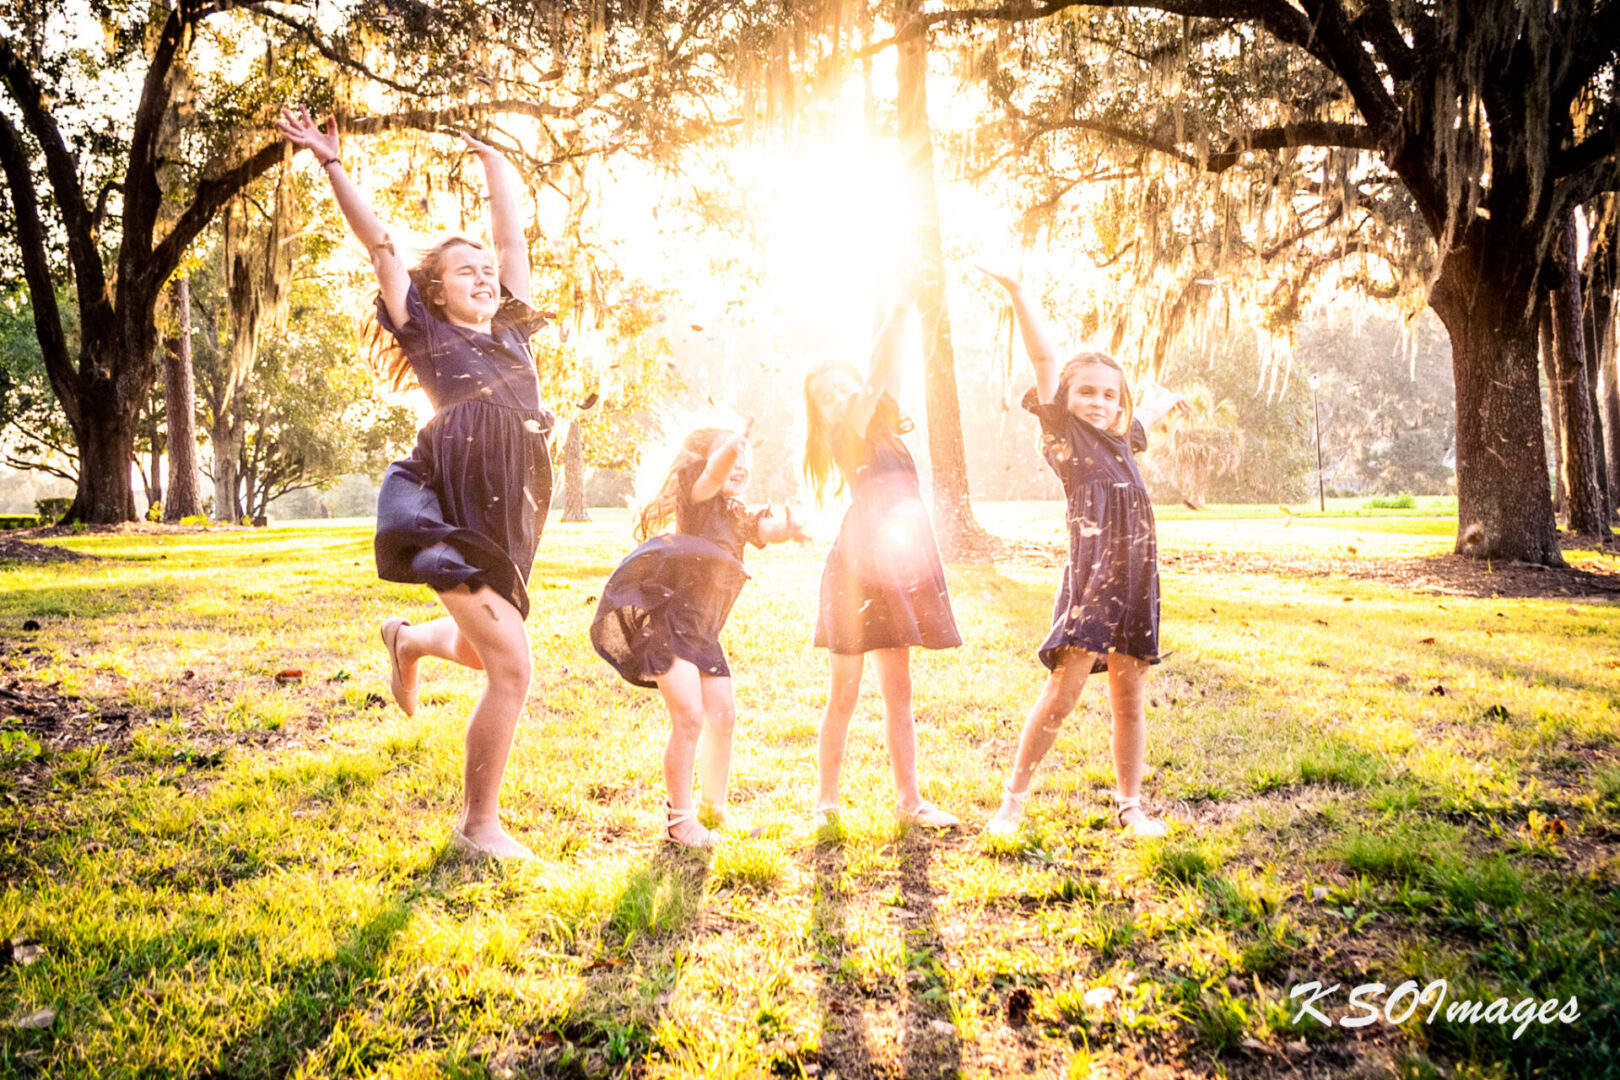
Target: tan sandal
927 815
674 817
1152 827
404 696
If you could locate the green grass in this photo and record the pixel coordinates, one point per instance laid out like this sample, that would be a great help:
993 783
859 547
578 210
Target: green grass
239 877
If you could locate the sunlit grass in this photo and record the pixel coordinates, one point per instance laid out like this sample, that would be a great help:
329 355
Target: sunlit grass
253 878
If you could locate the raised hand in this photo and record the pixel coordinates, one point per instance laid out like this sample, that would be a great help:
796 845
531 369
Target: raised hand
482 149
1006 279
300 130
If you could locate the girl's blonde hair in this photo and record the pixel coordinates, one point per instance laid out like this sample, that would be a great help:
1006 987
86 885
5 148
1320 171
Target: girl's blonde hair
387 357
1098 359
657 511
819 459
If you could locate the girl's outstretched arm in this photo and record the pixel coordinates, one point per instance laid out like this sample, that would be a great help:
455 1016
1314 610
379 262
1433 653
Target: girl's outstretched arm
722 458
1163 404
883 370
1043 354
505 221
392 279
775 530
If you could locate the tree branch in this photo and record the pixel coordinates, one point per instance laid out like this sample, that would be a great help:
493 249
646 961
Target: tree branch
143 194
63 172
1320 133
212 193
37 271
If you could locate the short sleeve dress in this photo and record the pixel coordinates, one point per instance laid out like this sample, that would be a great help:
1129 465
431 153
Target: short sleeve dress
468 505
670 597
883 586
1109 600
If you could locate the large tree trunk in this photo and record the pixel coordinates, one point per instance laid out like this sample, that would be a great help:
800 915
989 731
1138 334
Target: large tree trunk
226 480
1586 511
185 499
958 533
1504 504
1611 415
574 474
1549 369
106 494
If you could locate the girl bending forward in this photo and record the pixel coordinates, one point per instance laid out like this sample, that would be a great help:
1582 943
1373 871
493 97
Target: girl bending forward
660 616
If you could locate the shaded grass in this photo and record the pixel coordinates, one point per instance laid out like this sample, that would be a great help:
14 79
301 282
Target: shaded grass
251 878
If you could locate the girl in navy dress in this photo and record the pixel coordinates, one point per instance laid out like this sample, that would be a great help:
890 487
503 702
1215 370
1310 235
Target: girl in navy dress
659 620
463 513
883 589
1106 617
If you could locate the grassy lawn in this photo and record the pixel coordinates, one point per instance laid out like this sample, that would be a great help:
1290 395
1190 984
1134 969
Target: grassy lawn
224 873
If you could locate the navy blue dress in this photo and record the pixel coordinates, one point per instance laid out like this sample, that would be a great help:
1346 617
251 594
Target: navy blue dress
670 597
469 503
1109 601
883 586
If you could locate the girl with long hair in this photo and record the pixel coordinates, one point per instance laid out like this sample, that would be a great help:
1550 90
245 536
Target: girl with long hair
883 589
659 620
463 513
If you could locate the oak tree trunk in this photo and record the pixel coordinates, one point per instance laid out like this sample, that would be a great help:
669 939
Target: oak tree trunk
1504 509
185 498
1549 369
958 533
1586 512
574 474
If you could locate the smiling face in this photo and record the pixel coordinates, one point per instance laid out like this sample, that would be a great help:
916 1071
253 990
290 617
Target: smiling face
467 286
1096 394
831 393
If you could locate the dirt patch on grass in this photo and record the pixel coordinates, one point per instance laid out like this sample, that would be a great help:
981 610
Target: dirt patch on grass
16 549
1443 575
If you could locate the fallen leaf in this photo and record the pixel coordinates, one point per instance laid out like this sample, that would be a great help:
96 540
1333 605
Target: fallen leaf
1400 680
27 953
942 1027
31 624
1252 1043
290 675
1320 892
1496 712
1298 1046
1100 997
1437 690
39 1018
1426 641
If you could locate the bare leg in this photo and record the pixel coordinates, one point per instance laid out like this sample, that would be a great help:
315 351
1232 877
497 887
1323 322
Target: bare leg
1056 701
682 687
491 625
899 732
714 749
1127 689
438 638
843 691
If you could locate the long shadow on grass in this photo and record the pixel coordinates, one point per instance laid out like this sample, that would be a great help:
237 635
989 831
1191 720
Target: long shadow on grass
316 995
929 1044
843 1025
648 924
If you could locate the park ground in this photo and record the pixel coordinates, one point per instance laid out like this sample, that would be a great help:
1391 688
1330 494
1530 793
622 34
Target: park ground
222 853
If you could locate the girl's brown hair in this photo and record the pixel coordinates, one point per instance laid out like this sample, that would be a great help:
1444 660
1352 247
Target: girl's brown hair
659 509
819 459
387 357
1098 359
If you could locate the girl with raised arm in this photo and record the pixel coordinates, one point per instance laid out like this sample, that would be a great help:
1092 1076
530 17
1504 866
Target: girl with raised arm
463 513
1106 617
883 589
